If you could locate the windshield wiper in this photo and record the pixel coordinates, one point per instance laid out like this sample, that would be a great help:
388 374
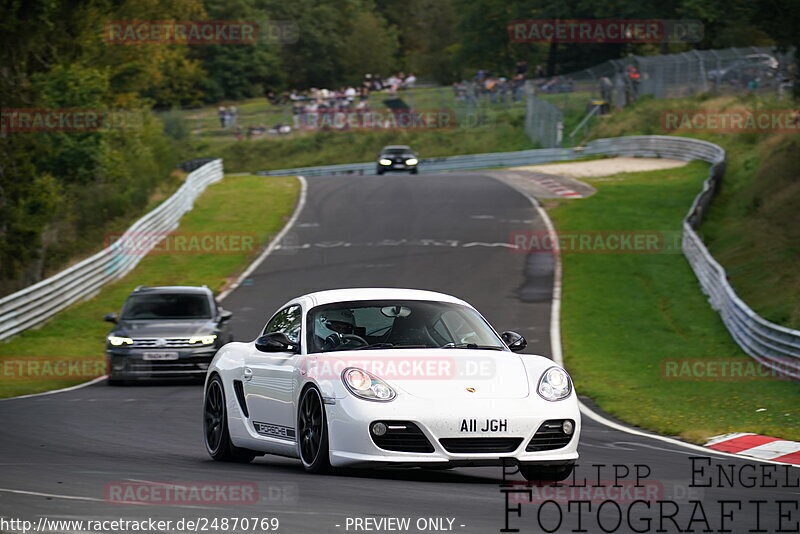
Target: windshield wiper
377 346
470 346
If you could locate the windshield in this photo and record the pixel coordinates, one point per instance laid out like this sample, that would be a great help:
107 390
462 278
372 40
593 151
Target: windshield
398 324
396 151
166 306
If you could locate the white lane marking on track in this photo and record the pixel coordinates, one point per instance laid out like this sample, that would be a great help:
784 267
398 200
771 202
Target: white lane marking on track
63 390
450 243
558 356
482 244
95 499
275 241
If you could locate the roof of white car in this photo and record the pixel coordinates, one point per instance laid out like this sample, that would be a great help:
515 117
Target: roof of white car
379 293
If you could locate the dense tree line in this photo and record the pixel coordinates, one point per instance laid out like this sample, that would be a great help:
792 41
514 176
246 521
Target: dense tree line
59 189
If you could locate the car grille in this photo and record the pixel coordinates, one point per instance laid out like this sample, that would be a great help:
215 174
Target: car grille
163 342
184 365
402 436
550 436
480 445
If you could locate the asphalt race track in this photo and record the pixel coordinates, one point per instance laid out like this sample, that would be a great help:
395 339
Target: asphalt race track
61 455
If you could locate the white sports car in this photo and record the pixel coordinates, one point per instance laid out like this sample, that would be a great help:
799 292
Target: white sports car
397 377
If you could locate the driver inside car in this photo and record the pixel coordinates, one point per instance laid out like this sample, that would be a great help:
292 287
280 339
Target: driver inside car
340 325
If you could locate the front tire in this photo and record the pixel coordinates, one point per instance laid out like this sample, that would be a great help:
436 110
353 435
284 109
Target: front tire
312 432
215 426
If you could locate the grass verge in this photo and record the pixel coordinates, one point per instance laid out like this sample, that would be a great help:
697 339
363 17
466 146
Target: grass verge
77 334
625 316
752 227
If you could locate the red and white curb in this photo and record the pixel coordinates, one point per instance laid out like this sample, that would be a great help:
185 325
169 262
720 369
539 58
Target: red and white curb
756 446
554 186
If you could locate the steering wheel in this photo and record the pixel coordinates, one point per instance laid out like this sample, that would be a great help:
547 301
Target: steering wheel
349 340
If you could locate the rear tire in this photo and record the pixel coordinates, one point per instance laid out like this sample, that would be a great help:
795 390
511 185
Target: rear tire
215 426
312 432
546 473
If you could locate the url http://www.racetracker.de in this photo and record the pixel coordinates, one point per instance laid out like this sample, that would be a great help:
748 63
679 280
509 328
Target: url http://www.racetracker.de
229 525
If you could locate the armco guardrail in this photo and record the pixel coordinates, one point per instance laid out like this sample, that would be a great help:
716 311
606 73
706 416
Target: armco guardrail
451 163
773 345
39 302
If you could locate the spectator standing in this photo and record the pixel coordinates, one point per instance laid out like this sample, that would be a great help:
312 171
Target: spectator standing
223 116
232 114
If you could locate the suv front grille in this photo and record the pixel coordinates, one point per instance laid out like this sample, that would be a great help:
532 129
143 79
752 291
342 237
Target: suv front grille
163 342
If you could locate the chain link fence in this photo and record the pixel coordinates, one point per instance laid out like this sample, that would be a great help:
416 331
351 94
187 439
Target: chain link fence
615 84
544 122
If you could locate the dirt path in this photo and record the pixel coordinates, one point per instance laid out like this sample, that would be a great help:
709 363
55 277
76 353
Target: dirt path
605 167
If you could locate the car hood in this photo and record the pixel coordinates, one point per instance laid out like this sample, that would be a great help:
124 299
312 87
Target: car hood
434 373
174 328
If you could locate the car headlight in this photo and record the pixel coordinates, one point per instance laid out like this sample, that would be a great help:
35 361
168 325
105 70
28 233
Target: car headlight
384 161
411 161
117 340
203 340
554 384
366 385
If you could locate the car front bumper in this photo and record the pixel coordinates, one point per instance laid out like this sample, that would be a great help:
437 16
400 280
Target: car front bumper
353 445
130 364
396 167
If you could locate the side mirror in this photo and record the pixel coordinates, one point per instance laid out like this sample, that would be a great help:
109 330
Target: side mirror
276 342
224 315
516 342
110 317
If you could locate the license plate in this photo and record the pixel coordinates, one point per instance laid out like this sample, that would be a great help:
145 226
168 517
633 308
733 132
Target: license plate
160 356
484 425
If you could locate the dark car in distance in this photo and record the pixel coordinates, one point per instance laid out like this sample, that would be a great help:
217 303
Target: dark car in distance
397 158
165 332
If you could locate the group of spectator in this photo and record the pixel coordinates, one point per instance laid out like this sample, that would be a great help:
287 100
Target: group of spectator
502 89
227 117
392 84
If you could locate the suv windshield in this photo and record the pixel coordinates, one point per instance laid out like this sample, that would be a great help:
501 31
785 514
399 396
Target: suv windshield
396 151
166 306
397 324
